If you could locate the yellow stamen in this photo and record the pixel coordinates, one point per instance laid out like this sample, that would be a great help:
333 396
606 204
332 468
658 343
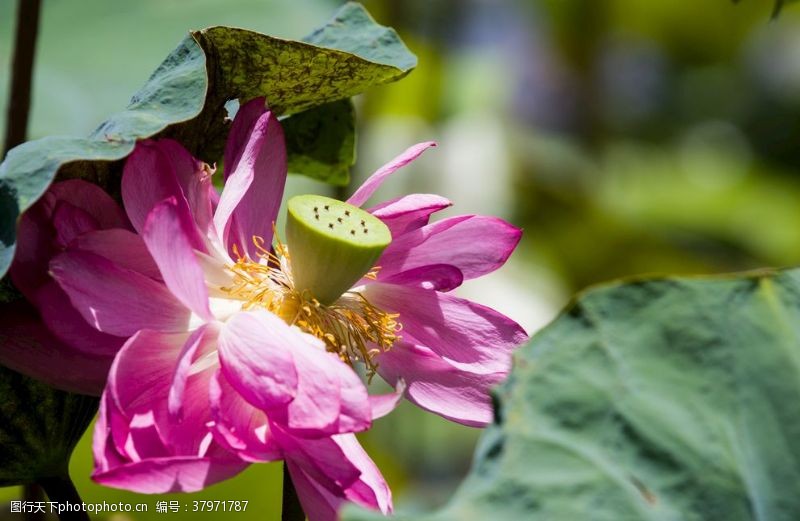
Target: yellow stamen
352 327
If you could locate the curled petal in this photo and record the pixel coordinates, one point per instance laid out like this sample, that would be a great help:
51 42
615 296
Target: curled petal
318 503
142 373
370 489
375 180
409 212
329 471
322 459
140 381
383 404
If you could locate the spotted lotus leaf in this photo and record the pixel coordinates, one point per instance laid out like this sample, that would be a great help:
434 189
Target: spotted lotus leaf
185 99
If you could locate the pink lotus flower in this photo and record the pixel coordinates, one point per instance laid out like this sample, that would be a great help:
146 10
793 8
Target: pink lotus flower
58 345
240 352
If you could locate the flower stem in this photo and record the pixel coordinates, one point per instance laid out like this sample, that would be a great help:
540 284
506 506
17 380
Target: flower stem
33 493
19 101
62 491
292 510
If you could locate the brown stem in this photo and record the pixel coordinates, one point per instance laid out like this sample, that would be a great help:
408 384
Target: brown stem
291 510
19 100
63 492
33 494
19 103
777 9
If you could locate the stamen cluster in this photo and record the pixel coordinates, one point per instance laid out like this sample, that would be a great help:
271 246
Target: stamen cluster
352 327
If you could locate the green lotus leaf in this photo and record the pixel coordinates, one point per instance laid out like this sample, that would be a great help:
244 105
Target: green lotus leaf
185 99
672 399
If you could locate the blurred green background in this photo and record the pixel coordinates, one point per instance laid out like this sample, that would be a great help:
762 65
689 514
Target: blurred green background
625 136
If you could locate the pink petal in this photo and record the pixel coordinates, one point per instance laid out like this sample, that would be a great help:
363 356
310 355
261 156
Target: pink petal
202 343
159 170
438 386
143 434
69 326
137 445
408 212
255 165
115 300
321 459
375 180
93 200
140 382
318 503
169 474
142 373
370 490
37 237
241 131
331 397
383 404
194 177
36 245
168 234
28 348
105 452
463 332
330 471
255 350
70 222
122 247
441 277
288 373
238 426
474 244
147 179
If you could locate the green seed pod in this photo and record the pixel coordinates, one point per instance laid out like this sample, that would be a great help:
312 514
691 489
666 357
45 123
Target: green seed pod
332 244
